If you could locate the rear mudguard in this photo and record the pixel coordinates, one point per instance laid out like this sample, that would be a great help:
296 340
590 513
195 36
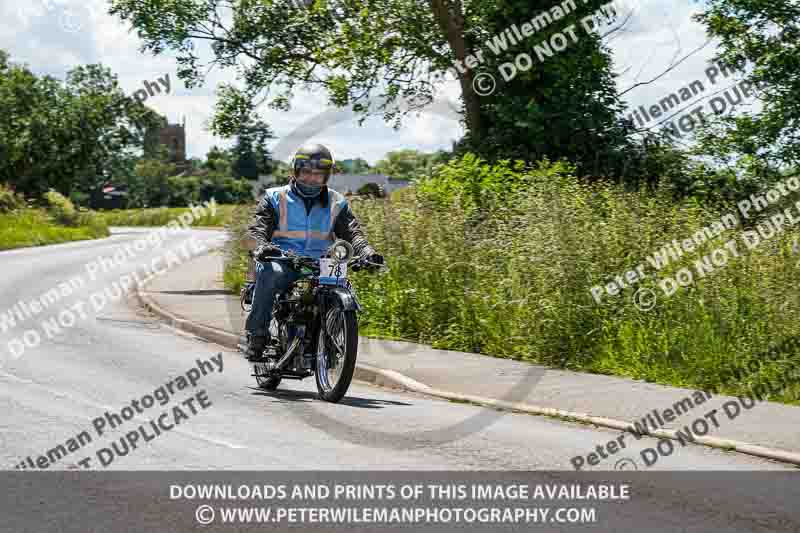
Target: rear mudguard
345 298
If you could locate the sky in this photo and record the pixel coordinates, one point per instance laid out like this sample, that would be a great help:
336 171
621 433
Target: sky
53 36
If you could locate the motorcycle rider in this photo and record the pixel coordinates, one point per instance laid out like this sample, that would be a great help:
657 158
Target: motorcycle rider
303 217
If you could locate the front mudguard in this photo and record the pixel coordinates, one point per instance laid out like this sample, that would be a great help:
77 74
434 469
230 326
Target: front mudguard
345 298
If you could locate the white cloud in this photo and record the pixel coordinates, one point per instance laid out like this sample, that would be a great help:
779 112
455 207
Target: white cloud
660 35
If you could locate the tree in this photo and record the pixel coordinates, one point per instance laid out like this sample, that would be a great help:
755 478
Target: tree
354 49
564 106
400 164
281 173
70 135
252 156
354 166
409 164
766 37
149 185
245 165
371 189
372 55
218 160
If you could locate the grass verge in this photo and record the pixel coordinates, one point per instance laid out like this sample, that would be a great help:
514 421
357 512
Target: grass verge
34 227
163 215
511 277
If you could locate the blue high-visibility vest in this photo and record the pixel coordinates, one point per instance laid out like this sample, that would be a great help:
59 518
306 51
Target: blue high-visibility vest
309 234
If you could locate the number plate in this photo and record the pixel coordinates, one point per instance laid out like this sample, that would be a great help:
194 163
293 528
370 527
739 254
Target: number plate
331 271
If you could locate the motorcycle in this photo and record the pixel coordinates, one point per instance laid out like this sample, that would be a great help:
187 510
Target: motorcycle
314 326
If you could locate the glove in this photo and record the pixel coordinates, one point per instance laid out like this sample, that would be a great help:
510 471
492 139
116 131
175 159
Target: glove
375 258
266 250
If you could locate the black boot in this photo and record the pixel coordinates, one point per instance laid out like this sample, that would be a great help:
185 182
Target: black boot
255 347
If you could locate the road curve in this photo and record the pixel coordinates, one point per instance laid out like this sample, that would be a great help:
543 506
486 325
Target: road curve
53 392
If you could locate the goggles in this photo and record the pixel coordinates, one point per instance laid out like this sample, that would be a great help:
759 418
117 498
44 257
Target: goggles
305 162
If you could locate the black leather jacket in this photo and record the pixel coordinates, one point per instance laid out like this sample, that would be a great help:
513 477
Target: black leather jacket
346 225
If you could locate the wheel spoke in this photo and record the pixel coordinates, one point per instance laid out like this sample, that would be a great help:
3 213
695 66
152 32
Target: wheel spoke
337 343
331 349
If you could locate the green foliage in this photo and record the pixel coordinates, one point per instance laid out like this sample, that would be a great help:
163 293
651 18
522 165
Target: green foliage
236 256
58 222
35 227
9 199
61 208
371 189
252 156
757 145
155 183
717 187
409 164
514 280
385 57
354 166
226 190
163 215
181 191
68 136
219 160
565 107
475 184
245 165
149 184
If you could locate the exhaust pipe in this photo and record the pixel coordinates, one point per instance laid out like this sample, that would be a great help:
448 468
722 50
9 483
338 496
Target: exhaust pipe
289 353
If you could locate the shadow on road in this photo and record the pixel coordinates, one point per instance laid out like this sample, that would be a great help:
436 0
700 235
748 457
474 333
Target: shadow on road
209 292
351 401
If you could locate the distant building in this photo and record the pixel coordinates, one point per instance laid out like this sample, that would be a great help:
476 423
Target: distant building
109 196
173 138
345 183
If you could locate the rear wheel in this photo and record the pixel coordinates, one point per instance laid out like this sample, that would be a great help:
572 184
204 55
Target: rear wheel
337 348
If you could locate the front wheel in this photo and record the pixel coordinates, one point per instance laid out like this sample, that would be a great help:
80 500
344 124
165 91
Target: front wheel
337 348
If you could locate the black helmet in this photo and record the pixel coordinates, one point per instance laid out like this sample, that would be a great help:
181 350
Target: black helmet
314 156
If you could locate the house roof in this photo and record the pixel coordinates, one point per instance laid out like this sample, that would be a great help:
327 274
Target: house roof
352 182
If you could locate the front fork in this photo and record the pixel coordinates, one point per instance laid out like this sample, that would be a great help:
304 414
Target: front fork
325 302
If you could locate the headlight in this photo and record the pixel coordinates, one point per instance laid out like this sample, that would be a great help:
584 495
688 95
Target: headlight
342 251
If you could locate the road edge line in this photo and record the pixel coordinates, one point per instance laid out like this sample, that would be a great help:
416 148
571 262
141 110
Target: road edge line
398 381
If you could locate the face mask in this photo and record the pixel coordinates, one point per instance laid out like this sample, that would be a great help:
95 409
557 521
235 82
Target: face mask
308 191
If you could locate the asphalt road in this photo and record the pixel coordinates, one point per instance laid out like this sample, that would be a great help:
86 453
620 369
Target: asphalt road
54 391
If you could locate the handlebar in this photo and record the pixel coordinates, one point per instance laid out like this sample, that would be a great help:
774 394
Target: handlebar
356 263
364 264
